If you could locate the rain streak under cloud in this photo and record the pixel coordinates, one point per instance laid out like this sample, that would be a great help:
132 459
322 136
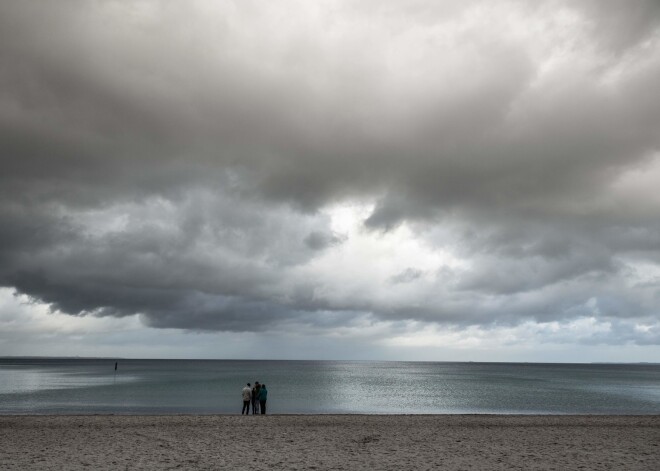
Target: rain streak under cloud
374 175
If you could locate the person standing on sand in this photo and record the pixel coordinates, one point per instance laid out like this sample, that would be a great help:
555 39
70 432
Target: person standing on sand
247 395
255 397
263 396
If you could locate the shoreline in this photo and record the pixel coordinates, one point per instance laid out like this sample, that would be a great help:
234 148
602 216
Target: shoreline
330 441
318 414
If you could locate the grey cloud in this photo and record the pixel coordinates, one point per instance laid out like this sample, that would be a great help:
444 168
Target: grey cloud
407 276
619 25
622 332
164 258
321 240
212 140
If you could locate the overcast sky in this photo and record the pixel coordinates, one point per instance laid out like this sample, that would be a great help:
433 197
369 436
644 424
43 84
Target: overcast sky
425 179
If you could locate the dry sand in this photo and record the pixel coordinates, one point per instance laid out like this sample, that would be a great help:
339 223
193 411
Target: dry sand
330 442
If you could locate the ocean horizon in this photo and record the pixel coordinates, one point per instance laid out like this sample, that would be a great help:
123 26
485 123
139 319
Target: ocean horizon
71 385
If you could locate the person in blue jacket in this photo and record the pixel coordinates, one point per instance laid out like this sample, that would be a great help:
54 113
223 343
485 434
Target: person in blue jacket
263 396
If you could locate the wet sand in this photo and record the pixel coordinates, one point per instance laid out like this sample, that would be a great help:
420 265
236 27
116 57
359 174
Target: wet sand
342 442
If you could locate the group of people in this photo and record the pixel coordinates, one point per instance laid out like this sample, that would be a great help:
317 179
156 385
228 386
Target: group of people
255 396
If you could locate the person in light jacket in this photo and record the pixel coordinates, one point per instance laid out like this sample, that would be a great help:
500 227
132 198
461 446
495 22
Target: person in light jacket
263 396
247 395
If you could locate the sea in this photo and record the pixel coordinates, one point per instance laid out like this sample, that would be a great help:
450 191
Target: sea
94 386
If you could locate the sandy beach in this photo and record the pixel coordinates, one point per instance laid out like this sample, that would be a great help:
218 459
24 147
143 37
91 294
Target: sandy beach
330 442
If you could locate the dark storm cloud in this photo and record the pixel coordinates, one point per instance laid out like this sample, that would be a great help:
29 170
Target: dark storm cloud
173 160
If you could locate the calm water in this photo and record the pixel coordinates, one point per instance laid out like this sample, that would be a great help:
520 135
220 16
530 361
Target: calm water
56 386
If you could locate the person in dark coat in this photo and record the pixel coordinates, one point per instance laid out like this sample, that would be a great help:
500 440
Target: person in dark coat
263 396
255 397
